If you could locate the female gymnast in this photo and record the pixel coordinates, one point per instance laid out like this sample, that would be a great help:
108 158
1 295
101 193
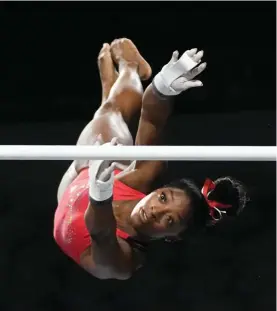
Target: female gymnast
108 212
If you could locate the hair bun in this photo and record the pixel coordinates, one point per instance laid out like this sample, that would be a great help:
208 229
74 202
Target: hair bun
229 191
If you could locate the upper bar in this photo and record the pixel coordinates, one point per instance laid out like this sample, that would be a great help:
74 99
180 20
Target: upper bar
169 153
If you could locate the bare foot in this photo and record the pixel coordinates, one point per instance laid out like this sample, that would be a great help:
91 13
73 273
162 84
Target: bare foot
124 49
107 71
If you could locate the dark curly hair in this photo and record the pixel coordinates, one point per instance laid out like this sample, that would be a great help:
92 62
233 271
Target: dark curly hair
227 190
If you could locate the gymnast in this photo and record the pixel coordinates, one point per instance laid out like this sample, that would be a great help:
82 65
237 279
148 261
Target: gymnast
108 212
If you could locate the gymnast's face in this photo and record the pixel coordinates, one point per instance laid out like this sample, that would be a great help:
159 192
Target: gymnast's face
162 213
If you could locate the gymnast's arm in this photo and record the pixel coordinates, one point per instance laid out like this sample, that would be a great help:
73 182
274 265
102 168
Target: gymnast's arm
108 257
157 105
155 112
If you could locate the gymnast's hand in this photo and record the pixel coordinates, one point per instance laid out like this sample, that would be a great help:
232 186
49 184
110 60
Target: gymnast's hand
178 75
101 173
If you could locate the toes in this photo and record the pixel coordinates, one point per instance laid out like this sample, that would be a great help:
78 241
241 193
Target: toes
104 51
106 47
115 42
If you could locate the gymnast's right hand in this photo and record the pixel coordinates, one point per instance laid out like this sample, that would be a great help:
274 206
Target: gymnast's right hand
101 174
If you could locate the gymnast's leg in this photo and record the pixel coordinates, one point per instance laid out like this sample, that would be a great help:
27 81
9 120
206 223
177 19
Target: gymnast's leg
121 100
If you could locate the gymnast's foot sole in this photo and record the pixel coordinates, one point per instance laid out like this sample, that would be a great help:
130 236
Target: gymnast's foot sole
124 49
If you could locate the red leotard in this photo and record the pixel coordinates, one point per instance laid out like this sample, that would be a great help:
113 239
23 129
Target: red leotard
70 231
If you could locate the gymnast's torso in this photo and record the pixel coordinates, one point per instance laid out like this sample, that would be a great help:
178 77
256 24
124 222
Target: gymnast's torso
70 231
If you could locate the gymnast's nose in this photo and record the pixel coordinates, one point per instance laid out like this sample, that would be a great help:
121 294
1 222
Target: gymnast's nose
157 211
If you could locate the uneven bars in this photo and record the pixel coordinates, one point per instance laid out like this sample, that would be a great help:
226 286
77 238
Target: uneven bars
169 153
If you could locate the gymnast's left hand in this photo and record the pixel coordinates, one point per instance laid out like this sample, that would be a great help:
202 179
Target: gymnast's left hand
101 173
179 74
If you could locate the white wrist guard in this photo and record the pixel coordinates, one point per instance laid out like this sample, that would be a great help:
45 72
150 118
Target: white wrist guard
99 190
172 71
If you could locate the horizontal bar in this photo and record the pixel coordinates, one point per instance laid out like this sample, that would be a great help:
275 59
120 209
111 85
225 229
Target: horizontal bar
169 153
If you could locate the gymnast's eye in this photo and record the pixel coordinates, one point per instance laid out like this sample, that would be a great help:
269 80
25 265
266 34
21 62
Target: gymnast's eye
162 197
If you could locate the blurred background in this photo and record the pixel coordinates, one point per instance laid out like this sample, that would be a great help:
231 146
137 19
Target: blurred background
50 89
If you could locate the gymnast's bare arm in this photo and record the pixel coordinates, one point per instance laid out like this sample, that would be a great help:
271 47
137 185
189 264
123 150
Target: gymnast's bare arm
154 115
108 257
157 105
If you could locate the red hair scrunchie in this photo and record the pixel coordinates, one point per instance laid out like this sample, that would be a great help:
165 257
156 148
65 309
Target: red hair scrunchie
214 206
